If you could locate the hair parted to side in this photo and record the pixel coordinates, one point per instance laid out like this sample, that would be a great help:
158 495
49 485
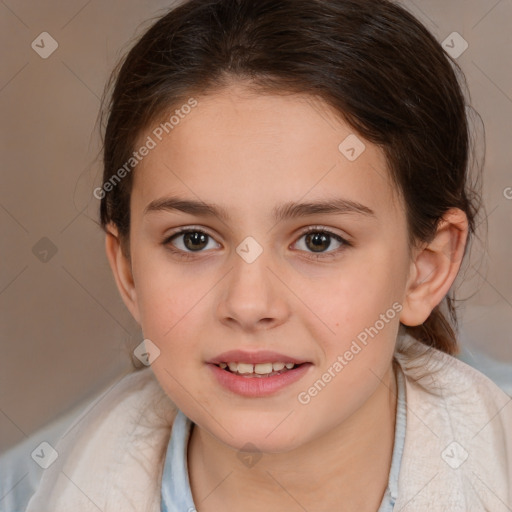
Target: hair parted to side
370 61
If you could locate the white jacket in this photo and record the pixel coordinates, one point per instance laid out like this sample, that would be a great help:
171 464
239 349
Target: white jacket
457 454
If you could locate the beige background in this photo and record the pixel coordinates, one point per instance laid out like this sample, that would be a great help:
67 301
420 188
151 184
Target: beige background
64 327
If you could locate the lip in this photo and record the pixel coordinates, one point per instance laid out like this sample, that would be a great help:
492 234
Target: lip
262 356
258 386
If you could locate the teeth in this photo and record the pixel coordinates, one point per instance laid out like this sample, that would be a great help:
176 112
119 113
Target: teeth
259 369
245 368
263 368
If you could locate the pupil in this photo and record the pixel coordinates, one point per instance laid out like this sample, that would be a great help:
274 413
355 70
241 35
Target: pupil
196 238
320 241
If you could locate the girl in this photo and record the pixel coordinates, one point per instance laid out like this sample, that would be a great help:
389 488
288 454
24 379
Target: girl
287 203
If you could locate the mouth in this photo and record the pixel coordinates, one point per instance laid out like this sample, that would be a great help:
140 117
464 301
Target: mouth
267 375
257 374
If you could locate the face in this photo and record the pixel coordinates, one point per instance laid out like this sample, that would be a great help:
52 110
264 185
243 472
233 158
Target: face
249 277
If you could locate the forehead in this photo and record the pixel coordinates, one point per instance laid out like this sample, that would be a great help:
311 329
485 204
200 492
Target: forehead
251 150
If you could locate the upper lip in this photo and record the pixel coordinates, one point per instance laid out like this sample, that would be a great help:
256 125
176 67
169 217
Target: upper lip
262 356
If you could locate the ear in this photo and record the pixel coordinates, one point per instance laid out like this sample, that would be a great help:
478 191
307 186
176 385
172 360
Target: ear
434 268
121 268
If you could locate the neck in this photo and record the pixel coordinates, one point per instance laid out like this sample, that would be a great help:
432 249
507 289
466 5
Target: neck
349 465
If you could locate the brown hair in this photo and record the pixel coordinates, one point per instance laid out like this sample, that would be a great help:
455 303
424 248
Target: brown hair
371 61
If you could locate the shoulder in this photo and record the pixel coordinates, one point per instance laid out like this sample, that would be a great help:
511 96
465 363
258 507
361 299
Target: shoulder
118 442
444 378
458 444
448 391
134 402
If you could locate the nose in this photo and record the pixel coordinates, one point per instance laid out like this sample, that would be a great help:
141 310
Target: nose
252 297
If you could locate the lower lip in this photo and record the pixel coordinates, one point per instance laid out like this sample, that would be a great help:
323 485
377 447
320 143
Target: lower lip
258 386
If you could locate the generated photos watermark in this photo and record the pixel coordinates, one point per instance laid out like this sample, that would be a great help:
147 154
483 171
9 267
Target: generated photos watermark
342 360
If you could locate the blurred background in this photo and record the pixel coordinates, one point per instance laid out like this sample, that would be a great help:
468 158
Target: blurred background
65 333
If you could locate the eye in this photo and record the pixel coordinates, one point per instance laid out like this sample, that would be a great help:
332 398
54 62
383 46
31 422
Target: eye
317 240
187 241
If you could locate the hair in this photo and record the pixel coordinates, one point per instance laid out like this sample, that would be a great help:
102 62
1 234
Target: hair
372 62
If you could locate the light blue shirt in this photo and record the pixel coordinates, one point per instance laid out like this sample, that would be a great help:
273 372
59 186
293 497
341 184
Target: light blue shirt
176 493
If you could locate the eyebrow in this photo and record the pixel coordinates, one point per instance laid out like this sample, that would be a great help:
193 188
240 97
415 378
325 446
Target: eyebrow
290 210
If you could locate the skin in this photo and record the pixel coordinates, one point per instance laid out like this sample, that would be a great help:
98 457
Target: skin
249 153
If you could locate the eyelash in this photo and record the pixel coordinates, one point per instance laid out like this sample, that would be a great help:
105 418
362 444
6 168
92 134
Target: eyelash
188 255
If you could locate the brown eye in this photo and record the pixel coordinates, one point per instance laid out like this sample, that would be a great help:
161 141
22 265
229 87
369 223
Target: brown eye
188 241
195 240
317 241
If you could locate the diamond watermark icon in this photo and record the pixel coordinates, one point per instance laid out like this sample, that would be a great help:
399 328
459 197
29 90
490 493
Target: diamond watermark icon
352 147
455 45
44 249
44 45
249 454
146 352
249 250
454 455
44 455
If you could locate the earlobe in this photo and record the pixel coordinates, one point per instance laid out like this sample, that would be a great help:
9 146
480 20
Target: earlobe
434 268
121 268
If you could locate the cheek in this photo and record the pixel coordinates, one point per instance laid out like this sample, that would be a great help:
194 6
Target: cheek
358 295
170 310
361 307
175 304
365 319
165 294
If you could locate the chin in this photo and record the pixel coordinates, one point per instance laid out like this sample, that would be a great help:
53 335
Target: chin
258 435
